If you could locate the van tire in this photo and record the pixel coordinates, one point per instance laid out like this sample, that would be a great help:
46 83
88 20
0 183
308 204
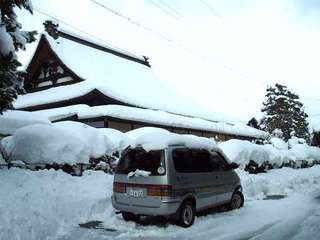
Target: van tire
128 216
237 200
186 214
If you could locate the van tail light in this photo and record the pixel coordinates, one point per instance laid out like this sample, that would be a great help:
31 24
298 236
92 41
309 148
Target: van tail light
159 190
119 187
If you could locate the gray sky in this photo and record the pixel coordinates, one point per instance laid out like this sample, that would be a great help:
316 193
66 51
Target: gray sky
220 53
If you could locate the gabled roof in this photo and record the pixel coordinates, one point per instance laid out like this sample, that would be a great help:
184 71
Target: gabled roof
122 79
126 81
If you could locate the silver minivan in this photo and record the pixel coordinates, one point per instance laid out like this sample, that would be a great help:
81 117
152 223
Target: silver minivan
175 182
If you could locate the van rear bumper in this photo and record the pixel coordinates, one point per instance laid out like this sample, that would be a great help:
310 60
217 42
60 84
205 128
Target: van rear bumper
164 209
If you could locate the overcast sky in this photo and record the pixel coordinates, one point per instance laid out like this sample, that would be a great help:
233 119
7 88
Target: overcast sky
220 53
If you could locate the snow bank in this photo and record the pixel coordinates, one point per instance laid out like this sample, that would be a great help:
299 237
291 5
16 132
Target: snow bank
12 120
43 204
50 204
151 138
284 181
63 142
242 152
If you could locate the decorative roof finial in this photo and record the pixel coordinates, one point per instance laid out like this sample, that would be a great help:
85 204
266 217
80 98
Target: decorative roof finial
146 60
51 28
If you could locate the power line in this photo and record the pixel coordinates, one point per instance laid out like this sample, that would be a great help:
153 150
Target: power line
55 17
136 23
162 36
211 9
169 7
91 36
163 9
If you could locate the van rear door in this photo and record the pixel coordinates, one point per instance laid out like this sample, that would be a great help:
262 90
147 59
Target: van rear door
140 177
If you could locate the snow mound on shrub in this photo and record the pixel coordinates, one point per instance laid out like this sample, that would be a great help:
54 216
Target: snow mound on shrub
97 143
242 152
11 120
151 138
119 139
63 142
279 143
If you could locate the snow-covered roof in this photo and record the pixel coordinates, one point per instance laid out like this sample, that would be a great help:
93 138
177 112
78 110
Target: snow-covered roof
116 77
157 117
12 120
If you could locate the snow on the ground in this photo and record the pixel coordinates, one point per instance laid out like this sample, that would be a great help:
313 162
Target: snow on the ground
11 120
62 142
242 152
50 204
283 181
40 204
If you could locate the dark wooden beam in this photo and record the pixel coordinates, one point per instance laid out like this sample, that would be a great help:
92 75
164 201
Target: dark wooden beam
53 31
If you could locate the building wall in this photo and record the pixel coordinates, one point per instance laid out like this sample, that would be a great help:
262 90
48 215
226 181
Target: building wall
127 125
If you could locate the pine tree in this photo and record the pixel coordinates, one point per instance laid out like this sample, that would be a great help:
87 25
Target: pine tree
316 139
11 40
253 122
284 111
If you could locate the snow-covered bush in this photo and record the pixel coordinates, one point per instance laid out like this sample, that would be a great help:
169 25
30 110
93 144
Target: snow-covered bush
119 139
11 120
258 158
63 142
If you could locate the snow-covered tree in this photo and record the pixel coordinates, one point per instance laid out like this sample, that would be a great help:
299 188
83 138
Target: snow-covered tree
283 110
12 38
253 122
316 139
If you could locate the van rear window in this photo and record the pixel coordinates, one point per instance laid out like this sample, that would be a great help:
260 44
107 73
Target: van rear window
152 161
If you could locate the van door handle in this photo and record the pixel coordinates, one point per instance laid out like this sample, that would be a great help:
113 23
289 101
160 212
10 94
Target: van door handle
217 177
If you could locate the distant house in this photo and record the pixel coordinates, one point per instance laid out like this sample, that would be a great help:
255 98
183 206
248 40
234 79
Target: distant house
71 77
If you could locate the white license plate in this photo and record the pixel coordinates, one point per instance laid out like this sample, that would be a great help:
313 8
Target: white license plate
134 192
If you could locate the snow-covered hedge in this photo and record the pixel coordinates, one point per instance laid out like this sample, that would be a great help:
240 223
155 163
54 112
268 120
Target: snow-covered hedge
11 120
271 155
73 143
63 142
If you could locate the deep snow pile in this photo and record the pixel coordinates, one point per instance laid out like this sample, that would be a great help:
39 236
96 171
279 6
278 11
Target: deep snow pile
40 204
242 152
284 181
11 120
49 204
63 142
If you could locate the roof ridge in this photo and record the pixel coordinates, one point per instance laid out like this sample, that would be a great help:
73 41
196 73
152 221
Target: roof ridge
55 32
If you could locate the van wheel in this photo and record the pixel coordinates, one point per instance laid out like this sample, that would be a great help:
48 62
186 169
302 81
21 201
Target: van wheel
128 216
237 200
186 215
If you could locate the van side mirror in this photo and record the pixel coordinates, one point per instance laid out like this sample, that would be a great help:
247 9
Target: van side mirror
233 165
